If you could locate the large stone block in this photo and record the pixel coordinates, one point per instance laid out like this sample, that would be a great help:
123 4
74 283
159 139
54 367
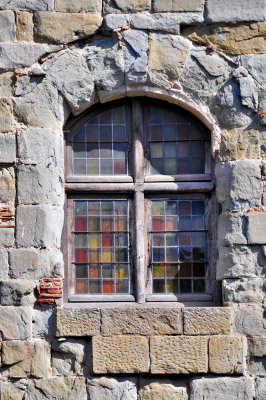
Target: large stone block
244 290
141 321
43 322
70 388
40 185
7 23
68 357
225 388
65 27
178 5
40 146
226 355
20 55
77 322
178 354
7 148
112 388
240 262
38 103
6 84
231 229
24 26
231 11
238 145
79 5
167 57
7 237
13 390
254 63
165 22
39 226
69 72
7 184
16 292
256 366
256 228
15 322
4 264
162 389
35 264
207 320
120 6
30 5
250 320
120 354
6 117
257 346
260 388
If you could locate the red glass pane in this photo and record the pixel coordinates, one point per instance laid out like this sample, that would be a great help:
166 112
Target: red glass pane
183 131
119 167
158 223
82 286
107 240
156 132
184 239
81 255
108 286
81 224
94 271
183 166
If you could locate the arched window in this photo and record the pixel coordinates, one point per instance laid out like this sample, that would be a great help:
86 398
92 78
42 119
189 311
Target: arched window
139 189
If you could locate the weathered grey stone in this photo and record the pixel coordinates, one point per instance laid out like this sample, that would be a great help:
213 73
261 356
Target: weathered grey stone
40 185
249 93
39 225
78 5
231 11
167 57
34 263
204 72
118 6
250 320
178 5
17 292
13 390
135 52
240 262
69 72
7 148
105 62
231 229
256 366
120 354
207 320
24 26
77 322
20 55
255 65
178 354
112 389
165 22
43 322
114 21
70 388
7 184
162 389
3 264
6 237
244 290
225 388
38 103
30 5
141 321
6 84
226 355
15 322
68 357
256 228
7 23
65 27
40 146
6 117
262 105
257 346
260 388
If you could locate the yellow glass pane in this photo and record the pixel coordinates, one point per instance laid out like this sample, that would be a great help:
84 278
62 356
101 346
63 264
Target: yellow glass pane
107 255
157 208
158 271
94 240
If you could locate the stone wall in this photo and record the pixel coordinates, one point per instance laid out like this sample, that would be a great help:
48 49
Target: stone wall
59 57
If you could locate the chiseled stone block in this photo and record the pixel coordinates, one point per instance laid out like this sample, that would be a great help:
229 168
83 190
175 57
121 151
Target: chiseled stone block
78 5
207 320
250 319
162 389
120 6
6 117
6 84
24 26
20 55
178 5
245 290
65 27
120 354
235 11
225 388
257 346
112 389
7 184
178 354
256 228
142 321
30 5
7 147
7 23
15 322
226 355
70 388
231 229
77 322
6 238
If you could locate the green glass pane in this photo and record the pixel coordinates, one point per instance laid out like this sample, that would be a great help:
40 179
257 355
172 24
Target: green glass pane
81 240
106 150
79 167
106 117
119 150
119 115
106 133
169 117
170 166
93 207
107 207
171 239
79 135
81 286
156 115
170 132
185 286
94 224
121 271
158 271
158 286
158 239
92 167
183 149
156 132
172 286
185 270
107 255
95 286
172 270
172 254
157 208
199 270
157 166
197 165
79 150
171 207
122 286
199 285
198 239
170 150
91 133
108 271
81 271
93 240
80 208
120 207
106 167
156 150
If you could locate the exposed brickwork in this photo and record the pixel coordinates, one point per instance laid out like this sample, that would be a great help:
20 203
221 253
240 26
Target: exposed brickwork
49 290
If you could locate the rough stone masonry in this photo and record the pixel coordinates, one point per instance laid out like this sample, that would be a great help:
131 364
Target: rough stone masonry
59 57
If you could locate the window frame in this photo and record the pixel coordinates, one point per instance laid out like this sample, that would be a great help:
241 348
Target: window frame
137 187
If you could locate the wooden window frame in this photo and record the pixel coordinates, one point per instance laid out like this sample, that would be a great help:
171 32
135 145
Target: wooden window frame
137 187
